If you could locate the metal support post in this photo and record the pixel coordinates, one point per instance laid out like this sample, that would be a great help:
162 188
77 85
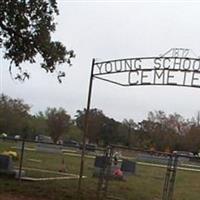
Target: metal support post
170 177
102 178
167 178
108 171
85 128
173 177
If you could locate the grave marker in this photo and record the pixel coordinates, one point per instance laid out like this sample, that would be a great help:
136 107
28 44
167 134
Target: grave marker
5 163
128 166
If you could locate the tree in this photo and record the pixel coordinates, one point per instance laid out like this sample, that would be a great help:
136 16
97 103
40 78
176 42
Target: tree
165 131
109 132
100 127
58 122
38 124
74 133
25 31
192 139
174 121
14 115
95 122
129 125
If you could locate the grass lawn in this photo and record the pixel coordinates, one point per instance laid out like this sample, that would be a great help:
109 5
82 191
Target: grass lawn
145 185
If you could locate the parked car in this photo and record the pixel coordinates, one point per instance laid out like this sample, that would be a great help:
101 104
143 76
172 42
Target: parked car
90 147
17 137
183 153
71 143
43 138
3 135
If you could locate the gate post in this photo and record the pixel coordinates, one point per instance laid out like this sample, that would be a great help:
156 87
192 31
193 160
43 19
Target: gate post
85 128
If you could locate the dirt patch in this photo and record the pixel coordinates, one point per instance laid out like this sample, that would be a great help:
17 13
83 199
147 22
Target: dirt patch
17 197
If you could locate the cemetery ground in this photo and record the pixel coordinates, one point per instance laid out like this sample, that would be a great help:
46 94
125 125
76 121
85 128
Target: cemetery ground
146 184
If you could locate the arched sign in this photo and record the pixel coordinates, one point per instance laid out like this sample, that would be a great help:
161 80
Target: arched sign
175 68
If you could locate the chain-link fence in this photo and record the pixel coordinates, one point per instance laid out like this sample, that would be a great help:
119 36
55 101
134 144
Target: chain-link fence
115 172
40 160
138 174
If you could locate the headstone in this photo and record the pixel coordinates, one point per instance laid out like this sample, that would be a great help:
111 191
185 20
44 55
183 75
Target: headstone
6 167
5 163
100 161
99 164
128 166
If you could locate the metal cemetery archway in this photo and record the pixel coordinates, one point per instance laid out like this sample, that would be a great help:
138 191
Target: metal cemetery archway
177 67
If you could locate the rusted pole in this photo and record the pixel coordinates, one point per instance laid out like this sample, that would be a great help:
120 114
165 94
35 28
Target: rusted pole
85 128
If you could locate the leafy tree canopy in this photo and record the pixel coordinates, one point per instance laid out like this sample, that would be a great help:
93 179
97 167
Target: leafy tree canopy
58 122
14 115
96 120
100 127
25 31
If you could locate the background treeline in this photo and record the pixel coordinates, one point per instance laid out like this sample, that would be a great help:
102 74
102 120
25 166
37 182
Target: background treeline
159 131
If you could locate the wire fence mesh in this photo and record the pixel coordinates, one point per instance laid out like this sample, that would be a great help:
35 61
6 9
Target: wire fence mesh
143 173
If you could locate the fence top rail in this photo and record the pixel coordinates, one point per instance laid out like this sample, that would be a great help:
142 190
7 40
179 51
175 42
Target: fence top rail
27 140
112 146
40 142
155 152
141 150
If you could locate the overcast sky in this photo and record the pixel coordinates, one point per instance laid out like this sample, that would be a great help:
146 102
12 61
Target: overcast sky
107 30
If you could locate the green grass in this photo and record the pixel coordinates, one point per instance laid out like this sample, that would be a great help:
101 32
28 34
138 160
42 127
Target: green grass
145 185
